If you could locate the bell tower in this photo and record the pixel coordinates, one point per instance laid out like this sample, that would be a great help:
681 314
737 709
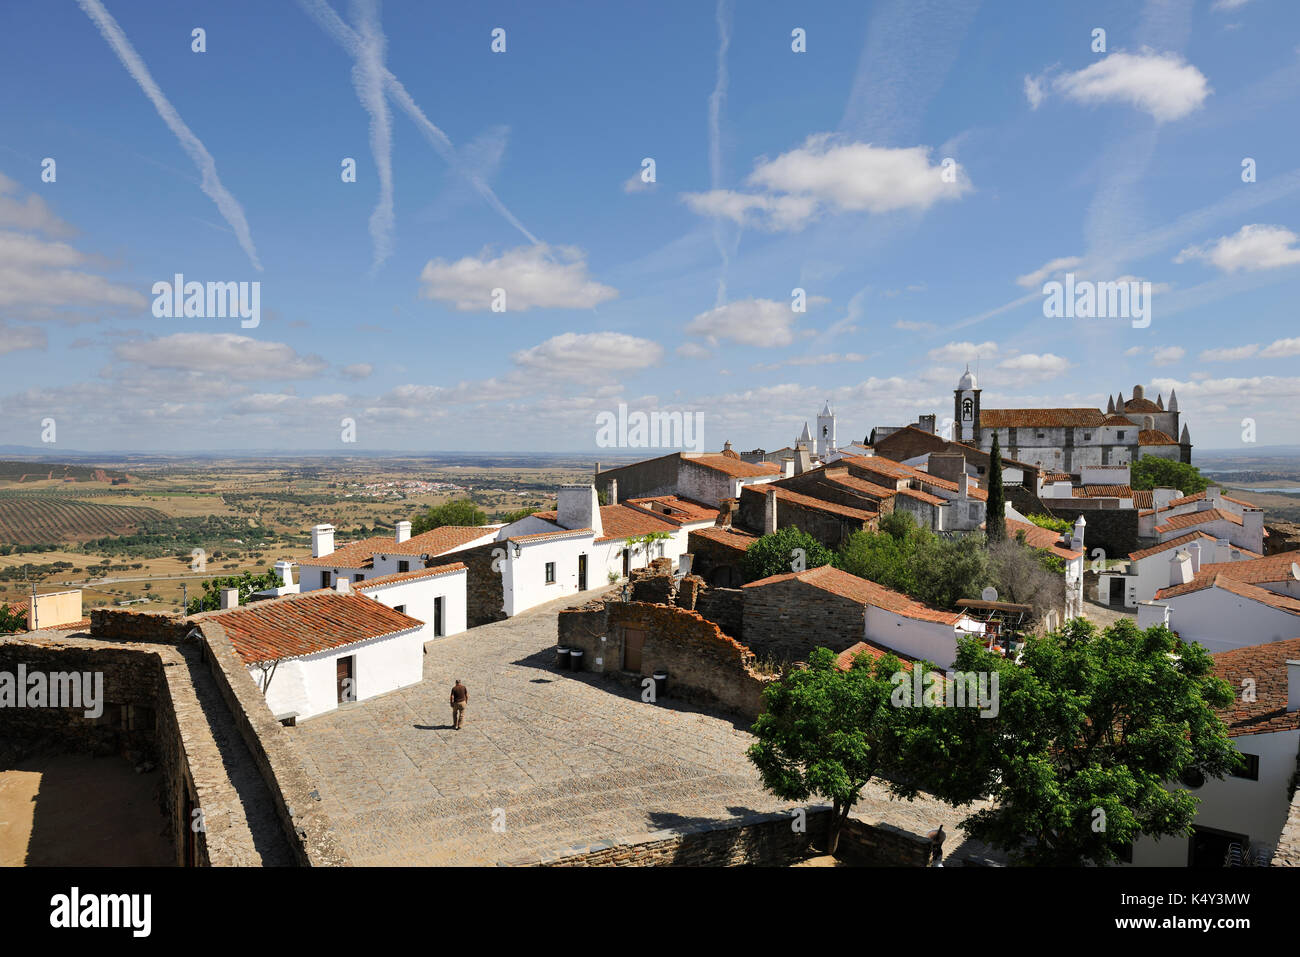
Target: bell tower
966 409
824 444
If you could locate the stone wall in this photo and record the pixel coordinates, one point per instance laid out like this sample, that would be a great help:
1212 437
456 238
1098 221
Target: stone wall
830 529
717 562
150 627
755 840
786 620
704 665
1114 530
485 596
725 607
1282 537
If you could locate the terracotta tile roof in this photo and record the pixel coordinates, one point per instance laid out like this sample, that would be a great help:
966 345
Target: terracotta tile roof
304 624
830 579
1155 437
1255 571
672 508
352 555
1266 665
1190 519
736 468
1038 537
843 479
875 652
1142 498
1117 420
1040 418
623 521
1102 491
1172 543
1057 477
813 504
1239 588
922 496
1141 405
557 534
730 537
1200 497
436 541
400 577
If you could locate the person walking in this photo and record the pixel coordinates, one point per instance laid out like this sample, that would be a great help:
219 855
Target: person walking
459 698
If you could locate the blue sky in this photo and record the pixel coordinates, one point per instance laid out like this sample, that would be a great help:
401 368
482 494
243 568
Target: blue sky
775 170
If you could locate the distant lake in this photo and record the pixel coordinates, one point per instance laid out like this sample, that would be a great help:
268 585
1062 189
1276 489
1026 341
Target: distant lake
1289 489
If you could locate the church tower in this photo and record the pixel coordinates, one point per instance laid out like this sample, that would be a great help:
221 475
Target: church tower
825 444
966 409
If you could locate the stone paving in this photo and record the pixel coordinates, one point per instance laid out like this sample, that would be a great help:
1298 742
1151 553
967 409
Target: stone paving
546 759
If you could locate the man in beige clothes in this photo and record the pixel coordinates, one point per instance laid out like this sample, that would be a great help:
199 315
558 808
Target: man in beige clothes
459 698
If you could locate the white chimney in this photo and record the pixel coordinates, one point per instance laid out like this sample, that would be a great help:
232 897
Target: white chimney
229 598
612 495
1212 496
342 585
1080 526
1153 613
1180 568
403 531
578 507
1195 549
963 485
322 540
1292 685
769 512
787 467
285 571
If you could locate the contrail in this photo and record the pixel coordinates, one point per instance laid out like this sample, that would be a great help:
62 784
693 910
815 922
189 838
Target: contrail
211 184
346 37
716 99
367 77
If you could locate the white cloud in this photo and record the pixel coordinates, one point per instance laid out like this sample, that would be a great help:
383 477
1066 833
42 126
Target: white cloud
963 351
582 356
751 322
1135 351
1035 366
1167 355
1032 280
17 338
829 173
693 350
35 272
358 370
1281 349
32 214
1251 248
221 355
908 326
635 184
533 277
1034 91
1161 84
827 358
1228 4
1232 354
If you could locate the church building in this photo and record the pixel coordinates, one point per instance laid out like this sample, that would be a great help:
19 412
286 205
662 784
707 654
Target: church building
1066 440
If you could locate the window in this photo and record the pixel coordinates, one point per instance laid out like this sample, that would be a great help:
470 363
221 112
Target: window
401 608
1087 437
359 577
1120 435
1251 769
1040 434
550 573
403 566
324 579
974 512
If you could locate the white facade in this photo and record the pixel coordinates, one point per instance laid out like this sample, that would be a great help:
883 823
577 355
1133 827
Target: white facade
1256 810
1219 620
1150 573
931 640
309 685
437 600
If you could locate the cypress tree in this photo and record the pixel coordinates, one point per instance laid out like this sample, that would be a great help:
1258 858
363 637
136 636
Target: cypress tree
996 514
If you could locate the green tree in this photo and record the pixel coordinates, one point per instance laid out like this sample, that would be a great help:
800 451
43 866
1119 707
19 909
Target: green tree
995 514
247 583
915 561
826 733
1051 522
1151 471
1092 731
775 554
12 622
459 512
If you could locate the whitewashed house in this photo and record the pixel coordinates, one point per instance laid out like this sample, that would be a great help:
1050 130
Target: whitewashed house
313 651
1212 512
1220 612
1157 567
435 596
379 556
1249 808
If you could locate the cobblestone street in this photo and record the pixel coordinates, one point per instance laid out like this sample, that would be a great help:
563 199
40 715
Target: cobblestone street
546 759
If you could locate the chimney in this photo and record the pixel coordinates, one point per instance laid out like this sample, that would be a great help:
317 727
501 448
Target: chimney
403 531
1195 549
769 512
1212 495
1252 521
1180 568
1076 540
926 423
963 485
787 467
285 571
612 494
230 598
322 540
1152 613
1292 685
342 585
1161 496
578 507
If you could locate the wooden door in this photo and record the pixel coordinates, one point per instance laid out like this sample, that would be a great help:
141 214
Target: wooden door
582 573
437 617
633 641
343 679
